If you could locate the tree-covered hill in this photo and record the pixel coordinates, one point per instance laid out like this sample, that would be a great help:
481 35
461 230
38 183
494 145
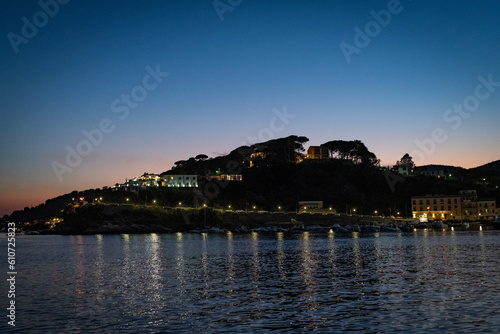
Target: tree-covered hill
278 174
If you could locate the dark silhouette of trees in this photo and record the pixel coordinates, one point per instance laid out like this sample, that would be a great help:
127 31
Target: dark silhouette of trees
406 161
353 150
201 157
180 163
284 149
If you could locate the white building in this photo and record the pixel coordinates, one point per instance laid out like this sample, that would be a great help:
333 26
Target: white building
190 181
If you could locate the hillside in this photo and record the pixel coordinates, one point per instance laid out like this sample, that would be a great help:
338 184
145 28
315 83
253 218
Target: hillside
276 174
491 166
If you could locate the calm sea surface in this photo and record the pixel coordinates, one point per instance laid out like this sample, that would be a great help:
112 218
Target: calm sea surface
426 281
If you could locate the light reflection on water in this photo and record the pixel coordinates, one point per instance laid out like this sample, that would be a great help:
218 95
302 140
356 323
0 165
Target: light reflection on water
432 281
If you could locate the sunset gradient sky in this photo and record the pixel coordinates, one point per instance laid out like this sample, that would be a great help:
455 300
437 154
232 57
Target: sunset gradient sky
232 65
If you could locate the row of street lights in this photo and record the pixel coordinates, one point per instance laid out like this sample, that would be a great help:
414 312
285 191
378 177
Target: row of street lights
229 207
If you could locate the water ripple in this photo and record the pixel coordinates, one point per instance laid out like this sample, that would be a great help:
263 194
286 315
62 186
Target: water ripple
211 283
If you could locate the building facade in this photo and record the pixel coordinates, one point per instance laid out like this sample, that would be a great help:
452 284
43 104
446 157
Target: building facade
154 180
226 177
180 181
317 152
305 205
464 206
437 207
136 183
486 209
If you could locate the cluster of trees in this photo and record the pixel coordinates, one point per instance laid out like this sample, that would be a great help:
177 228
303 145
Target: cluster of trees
406 161
284 150
353 150
281 150
183 163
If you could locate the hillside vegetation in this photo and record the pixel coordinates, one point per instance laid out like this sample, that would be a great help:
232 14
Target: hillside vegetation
276 175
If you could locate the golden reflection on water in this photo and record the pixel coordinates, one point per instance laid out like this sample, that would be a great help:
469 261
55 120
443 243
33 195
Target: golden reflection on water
256 256
204 261
255 277
356 254
230 258
180 265
80 266
482 247
155 265
332 256
309 268
99 264
126 255
280 256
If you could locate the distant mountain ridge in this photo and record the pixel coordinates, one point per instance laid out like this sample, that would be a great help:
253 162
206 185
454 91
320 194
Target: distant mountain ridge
491 166
437 167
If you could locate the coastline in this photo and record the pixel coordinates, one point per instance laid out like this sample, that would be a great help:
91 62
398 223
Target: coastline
128 219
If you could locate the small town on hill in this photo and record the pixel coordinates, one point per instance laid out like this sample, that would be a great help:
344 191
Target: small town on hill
335 179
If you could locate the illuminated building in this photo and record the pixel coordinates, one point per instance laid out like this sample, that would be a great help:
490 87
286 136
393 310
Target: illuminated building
317 152
190 181
226 177
254 157
464 206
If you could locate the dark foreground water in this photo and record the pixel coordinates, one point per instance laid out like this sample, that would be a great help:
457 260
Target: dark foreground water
429 282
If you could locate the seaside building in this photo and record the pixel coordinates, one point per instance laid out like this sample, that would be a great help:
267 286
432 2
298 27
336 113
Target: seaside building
469 204
444 207
310 205
464 206
486 209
